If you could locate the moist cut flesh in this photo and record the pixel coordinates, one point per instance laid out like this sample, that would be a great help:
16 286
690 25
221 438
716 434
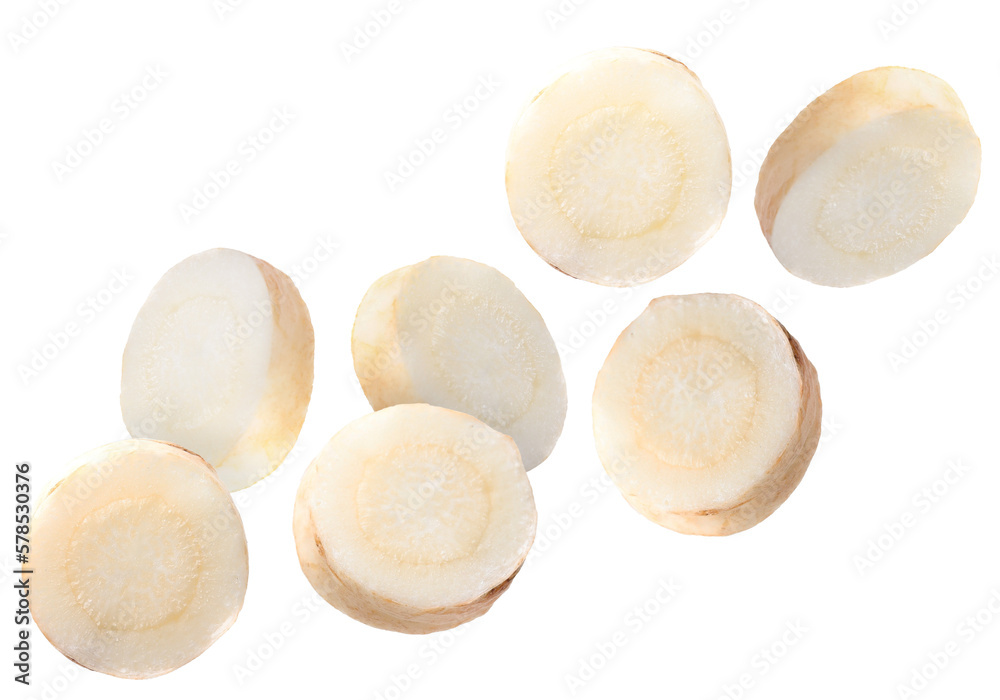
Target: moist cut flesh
706 413
619 170
414 518
140 559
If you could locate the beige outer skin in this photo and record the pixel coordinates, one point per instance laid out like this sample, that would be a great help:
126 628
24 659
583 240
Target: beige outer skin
379 357
763 499
650 276
282 410
346 595
843 108
110 450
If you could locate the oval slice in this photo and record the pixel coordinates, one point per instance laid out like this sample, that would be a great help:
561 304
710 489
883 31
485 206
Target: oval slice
869 178
140 559
619 170
458 334
706 413
414 518
220 361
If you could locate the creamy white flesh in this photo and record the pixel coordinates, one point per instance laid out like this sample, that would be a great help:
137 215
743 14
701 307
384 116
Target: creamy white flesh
619 170
869 178
457 333
414 518
220 361
706 413
140 559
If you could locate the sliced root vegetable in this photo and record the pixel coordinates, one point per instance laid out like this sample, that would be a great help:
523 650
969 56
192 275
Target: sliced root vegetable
457 333
220 361
619 170
869 178
706 413
414 518
140 559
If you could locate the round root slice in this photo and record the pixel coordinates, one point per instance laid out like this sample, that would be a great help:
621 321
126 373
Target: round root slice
457 333
619 170
414 518
869 178
140 559
706 413
220 361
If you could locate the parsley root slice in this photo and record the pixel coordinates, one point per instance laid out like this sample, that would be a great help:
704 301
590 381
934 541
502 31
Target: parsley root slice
414 518
706 413
220 361
457 333
869 178
620 169
140 559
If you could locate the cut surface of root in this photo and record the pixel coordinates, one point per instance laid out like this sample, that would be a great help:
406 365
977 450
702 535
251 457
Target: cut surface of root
414 518
706 413
458 334
619 170
140 559
220 361
869 178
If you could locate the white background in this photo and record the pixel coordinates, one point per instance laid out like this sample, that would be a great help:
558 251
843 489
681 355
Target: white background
890 431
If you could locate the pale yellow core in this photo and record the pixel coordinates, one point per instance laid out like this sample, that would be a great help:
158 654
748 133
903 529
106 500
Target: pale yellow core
423 504
695 401
486 358
884 199
617 172
195 377
133 564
